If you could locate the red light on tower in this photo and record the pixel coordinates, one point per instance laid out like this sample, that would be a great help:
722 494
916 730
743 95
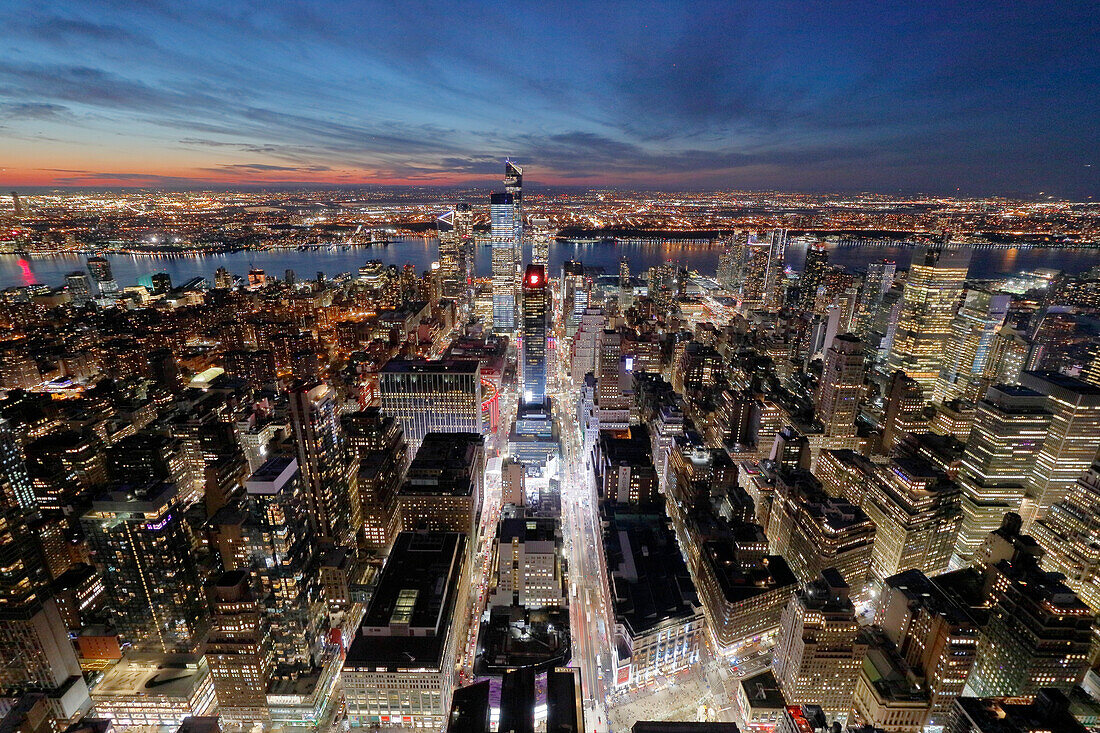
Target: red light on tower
533 279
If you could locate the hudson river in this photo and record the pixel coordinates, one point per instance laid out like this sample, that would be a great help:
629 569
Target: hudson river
51 269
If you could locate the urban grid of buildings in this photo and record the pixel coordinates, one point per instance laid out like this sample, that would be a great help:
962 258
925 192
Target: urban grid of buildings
551 500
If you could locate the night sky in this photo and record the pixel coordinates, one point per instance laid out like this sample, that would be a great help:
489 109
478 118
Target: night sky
983 98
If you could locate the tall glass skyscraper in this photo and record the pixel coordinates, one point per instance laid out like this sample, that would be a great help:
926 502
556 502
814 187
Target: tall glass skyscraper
936 277
503 216
535 305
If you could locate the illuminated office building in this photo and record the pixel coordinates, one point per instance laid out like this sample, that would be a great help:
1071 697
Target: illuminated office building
432 396
238 649
586 343
502 212
1010 425
819 650
903 412
1070 535
536 302
915 510
452 255
1038 633
444 485
966 370
528 560
1070 444
936 277
321 461
380 449
829 533
612 404
934 634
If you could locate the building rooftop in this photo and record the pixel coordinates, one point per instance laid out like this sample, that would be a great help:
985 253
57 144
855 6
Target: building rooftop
406 623
651 581
443 465
432 366
761 690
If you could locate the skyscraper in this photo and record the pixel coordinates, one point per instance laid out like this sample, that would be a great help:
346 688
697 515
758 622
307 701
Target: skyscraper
966 366
238 649
432 396
915 509
934 633
321 460
1009 428
451 251
936 277
1069 446
813 273
774 279
1070 534
80 291
140 542
100 269
502 213
541 234
536 296
819 650
36 655
839 392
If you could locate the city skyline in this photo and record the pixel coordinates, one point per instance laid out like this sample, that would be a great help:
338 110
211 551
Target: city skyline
939 99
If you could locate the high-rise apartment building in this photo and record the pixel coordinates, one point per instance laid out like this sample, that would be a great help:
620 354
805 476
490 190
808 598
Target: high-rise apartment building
36 655
322 461
966 371
813 273
775 277
936 277
1071 442
138 539
536 307
1010 425
80 290
819 650
432 396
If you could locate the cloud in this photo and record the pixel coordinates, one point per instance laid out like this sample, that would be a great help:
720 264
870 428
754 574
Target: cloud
33 111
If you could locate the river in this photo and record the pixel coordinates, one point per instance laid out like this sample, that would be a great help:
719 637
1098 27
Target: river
51 269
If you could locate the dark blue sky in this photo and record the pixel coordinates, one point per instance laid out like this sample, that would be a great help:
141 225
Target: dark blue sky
927 96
